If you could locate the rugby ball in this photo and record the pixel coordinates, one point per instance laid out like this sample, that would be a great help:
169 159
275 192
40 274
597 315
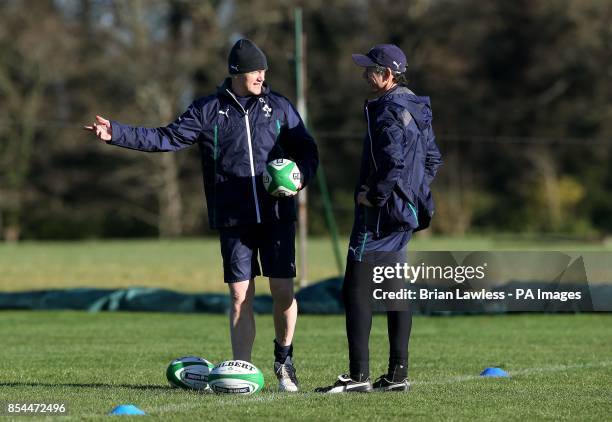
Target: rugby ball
282 177
189 372
235 377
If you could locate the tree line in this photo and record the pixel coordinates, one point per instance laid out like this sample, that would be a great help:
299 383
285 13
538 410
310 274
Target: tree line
520 90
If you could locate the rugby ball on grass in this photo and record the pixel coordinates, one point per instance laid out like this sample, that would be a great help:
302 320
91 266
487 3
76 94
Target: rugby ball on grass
189 372
235 377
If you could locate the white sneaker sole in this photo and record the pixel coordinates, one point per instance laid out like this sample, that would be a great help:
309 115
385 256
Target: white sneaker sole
287 388
359 388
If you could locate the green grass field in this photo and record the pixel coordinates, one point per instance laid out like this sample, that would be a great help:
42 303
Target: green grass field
561 367
193 265
560 364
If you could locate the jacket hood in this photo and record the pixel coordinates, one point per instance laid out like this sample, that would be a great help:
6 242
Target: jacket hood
419 107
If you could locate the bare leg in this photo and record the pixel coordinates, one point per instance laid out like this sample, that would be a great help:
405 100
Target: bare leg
242 320
285 309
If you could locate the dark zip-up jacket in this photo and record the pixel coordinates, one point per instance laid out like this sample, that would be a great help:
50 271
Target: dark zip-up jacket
399 161
235 144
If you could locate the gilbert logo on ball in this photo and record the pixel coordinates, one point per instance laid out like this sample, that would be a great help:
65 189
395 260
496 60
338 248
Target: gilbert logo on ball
189 372
236 377
282 177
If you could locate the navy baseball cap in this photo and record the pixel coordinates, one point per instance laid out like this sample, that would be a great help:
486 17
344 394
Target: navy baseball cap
386 55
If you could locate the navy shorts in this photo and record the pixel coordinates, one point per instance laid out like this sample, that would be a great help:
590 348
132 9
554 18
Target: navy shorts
273 242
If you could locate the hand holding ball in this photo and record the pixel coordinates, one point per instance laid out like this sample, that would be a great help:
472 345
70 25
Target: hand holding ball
282 178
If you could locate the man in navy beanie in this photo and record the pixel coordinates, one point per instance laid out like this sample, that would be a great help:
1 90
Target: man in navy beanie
239 129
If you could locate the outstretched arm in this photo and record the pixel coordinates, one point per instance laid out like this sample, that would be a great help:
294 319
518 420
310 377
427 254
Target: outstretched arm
180 134
101 127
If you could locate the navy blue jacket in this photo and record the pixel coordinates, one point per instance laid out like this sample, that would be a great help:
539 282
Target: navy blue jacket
235 144
399 161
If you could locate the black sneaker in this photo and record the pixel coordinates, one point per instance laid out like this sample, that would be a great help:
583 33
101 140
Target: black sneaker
345 384
383 384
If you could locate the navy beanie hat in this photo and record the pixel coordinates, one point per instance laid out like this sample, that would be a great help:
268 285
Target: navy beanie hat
245 57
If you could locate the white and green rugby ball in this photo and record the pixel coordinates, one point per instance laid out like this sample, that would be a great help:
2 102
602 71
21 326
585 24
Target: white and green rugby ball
236 377
189 372
282 177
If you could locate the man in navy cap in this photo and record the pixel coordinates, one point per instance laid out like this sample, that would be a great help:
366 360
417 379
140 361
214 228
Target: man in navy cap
399 161
239 129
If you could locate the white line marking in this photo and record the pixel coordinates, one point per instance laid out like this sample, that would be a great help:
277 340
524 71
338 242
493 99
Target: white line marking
269 397
518 372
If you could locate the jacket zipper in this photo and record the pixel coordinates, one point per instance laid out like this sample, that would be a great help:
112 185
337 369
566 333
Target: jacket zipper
246 121
248 131
215 153
373 159
370 136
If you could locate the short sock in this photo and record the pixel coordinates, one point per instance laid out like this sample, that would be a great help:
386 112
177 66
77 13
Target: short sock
281 352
